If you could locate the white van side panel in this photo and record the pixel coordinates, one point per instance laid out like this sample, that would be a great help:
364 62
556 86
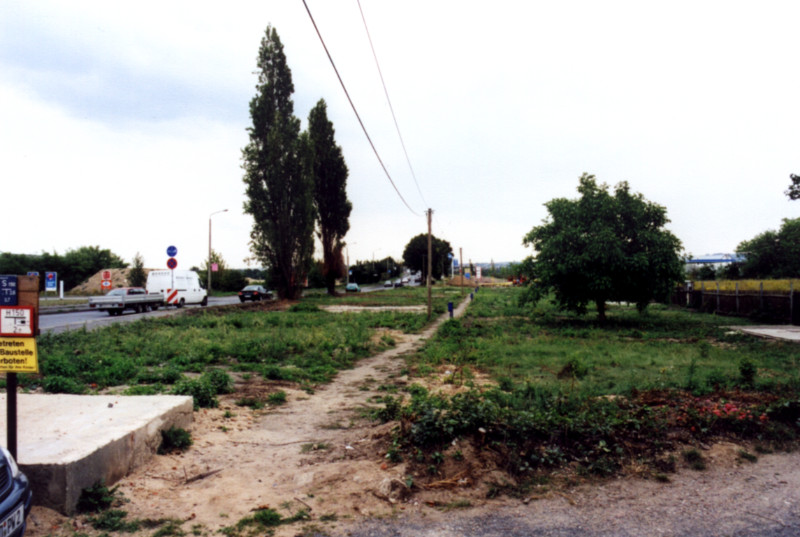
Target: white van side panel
176 285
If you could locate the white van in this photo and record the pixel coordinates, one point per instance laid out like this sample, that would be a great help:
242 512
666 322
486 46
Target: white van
179 287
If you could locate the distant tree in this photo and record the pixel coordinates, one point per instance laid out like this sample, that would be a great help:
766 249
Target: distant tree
794 187
137 277
603 247
278 178
415 255
330 194
773 254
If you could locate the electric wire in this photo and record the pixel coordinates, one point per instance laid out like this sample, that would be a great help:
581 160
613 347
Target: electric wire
388 100
353 106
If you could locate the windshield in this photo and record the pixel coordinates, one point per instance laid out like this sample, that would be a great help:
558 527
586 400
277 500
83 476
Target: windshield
117 292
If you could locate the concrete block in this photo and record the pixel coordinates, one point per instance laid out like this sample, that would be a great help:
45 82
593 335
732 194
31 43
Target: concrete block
69 442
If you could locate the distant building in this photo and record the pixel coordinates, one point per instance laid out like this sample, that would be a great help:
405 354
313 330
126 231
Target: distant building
715 261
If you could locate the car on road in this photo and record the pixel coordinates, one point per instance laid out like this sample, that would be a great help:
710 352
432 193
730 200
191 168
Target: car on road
126 298
15 491
352 288
387 283
406 280
254 293
398 282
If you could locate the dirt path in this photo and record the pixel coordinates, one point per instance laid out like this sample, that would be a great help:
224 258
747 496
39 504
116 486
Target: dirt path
319 453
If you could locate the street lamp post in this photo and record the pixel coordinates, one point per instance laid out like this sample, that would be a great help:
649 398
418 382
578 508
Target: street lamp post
208 267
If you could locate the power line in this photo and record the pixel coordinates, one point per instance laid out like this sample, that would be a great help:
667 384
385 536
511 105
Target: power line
388 100
353 106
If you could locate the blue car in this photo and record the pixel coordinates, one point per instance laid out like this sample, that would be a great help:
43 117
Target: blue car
15 497
352 288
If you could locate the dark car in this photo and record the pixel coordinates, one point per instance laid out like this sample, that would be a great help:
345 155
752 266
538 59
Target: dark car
15 492
254 292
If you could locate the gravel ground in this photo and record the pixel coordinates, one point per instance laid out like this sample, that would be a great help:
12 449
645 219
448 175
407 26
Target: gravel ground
736 500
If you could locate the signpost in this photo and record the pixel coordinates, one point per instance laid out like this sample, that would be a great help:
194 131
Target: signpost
19 326
50 281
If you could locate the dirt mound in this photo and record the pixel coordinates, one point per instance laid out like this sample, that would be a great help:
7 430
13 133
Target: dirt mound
93 286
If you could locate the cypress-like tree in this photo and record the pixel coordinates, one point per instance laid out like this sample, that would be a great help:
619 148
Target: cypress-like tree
278 175
330 195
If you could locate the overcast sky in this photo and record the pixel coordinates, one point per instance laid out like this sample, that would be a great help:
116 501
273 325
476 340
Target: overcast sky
122 124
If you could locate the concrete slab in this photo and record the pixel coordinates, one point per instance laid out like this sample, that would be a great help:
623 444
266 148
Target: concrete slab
785 333
66 443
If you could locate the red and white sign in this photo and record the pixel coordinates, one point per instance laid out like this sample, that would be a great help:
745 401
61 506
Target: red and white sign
214 267
105 284
172 263
172 296
106 274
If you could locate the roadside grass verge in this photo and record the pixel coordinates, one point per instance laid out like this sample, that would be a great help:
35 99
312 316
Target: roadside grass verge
193 354
543 389
403 296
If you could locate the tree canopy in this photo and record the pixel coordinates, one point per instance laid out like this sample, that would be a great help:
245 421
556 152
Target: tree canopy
603 247
73 268
794 188
278 176
330 194
773 254
415 255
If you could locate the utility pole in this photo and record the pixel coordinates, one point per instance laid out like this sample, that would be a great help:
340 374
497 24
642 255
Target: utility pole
430 259
460 267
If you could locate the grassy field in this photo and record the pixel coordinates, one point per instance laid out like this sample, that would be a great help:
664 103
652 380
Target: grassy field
664 348
566 391
195 353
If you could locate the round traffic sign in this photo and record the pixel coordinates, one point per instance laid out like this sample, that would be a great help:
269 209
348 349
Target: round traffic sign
172 251
106 274
172 263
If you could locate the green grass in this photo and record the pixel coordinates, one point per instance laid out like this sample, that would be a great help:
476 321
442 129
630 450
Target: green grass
193 354
660 350
568 390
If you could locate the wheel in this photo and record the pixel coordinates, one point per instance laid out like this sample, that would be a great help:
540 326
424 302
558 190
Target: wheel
112 312
145 308
205 301
154 307
181 303
137 308
242 300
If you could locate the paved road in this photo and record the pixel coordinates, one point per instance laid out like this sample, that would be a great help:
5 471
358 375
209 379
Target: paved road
91 319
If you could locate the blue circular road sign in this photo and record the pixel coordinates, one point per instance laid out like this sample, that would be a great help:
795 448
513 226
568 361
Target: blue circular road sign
172 251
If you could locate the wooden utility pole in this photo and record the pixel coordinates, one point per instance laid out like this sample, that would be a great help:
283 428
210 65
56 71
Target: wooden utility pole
460 267
430 263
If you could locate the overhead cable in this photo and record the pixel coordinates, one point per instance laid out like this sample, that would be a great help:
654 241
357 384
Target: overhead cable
388 100
353 106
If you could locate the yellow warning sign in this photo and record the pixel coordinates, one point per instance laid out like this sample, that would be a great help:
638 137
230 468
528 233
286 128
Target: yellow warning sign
18 355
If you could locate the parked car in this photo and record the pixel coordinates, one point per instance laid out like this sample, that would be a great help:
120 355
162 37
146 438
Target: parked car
126 298
406 280
254 292
398 282
352 288
387 283
15 492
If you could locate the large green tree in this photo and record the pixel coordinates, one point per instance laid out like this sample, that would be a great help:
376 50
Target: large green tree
330 194
773 254
604 247
278 175
415 256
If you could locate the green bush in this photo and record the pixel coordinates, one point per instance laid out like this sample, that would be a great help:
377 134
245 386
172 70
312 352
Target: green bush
201 391
174 439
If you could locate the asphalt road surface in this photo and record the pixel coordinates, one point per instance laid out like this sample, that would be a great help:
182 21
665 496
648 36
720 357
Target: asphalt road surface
91 319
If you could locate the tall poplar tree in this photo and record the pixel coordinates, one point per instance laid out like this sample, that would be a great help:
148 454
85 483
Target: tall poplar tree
330 195
278 175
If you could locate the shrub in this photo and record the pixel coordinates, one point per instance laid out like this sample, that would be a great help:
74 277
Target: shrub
201 391
174 439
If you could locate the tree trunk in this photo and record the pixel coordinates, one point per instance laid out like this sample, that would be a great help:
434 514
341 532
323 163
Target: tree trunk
601 310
